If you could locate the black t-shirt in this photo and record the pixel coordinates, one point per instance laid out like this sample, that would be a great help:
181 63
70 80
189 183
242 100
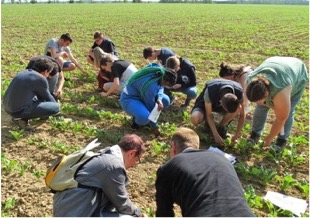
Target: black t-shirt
107 46
119 67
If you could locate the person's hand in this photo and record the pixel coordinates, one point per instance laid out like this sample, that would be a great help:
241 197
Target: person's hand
64 54
58 93
143 215
267 142
176 86
160 105
235 138
104 94
84 72
219 140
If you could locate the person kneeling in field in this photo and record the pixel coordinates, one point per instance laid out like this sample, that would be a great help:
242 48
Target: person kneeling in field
161 54
186 79
119 70
224 97
28 96
60 50
201 182
103 77
105 44
278 83
102 181
145 91
55 79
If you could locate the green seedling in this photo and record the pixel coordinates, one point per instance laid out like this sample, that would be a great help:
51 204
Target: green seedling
159 148
252 199
8 204
17 135
286 182
150 212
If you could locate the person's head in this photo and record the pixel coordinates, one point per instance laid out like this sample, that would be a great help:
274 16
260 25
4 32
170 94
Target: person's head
132 147
183 138
148 54
229 71
98 55
66 39
56 69
43 66
230 102
106 63
173 62
169 77
98 37
258 90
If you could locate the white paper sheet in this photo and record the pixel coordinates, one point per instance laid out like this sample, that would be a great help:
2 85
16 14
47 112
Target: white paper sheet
154 114
231 158
295 205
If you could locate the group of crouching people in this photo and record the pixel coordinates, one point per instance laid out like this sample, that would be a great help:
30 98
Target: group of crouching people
278 84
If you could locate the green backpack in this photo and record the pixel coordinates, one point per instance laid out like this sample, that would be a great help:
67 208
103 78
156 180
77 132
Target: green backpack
60 175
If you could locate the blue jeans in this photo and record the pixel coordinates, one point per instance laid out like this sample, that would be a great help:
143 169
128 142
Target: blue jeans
39 110
190 92
52 82
260 117
137 109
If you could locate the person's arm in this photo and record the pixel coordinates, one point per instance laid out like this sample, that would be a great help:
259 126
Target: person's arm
75 62
210 119
113 187
61 80
281 107
240 125
164 201
42 90
112 88
246 102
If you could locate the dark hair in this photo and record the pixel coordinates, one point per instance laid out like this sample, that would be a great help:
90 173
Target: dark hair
66 37
132 142
230 102
42 64
257 89
98 35
105 59
170 76
56 69
230 70
147 52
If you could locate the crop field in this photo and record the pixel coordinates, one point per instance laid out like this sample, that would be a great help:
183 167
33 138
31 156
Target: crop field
203 33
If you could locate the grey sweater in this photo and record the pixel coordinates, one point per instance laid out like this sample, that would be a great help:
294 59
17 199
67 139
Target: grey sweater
105 172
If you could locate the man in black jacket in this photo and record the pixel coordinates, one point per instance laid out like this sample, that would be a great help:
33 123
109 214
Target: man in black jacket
201 182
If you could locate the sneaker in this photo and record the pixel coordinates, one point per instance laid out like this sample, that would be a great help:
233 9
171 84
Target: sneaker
22 124
156 132
253 139
280 144
222 130
134 125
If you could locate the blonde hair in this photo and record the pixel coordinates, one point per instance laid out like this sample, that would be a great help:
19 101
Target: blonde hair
184 138
98 55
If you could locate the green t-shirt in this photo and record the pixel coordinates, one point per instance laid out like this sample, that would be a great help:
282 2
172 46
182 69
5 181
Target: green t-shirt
282 72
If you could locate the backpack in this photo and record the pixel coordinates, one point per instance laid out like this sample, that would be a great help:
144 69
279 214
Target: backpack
60 175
